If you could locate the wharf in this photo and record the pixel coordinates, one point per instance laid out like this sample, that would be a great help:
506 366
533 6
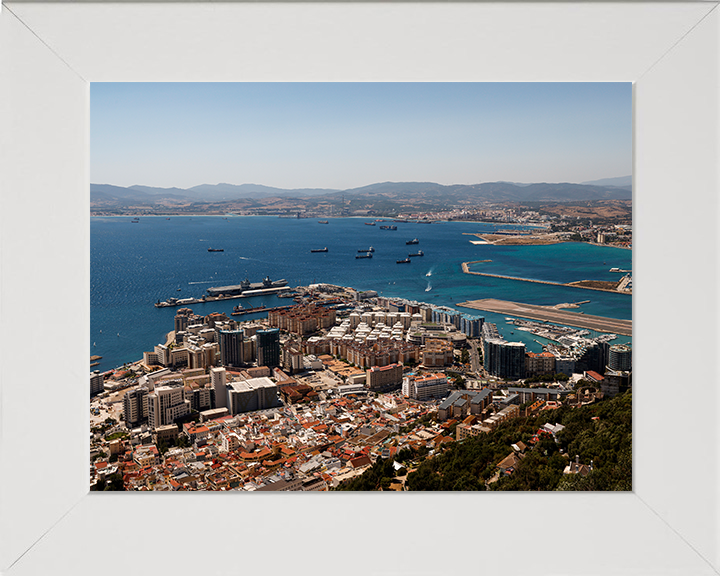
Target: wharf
550 314
174 303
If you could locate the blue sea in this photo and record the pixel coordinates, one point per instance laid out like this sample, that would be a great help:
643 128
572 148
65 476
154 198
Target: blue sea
133 265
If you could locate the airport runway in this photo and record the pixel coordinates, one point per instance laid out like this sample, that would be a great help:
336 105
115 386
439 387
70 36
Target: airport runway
547 313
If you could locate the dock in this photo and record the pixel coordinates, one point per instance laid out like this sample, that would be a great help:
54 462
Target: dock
550 314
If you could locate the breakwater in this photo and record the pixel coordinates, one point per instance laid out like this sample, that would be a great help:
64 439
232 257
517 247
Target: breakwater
466 270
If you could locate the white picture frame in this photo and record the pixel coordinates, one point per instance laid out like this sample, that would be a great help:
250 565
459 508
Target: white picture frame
49 523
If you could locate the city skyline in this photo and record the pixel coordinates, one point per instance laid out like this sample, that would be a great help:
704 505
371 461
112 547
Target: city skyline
347 135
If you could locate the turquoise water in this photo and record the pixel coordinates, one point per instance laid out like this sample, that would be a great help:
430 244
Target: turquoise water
135 265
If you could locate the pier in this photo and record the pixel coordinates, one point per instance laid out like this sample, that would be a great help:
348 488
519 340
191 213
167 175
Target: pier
579 284
550 314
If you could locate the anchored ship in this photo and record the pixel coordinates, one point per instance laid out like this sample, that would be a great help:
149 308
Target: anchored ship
413 241
319 249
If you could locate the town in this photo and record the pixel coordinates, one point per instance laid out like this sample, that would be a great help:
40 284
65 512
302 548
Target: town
325 389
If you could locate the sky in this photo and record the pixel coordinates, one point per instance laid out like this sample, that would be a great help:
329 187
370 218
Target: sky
347 135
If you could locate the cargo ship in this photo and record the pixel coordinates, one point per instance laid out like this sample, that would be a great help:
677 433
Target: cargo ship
369 223
366 255
319 249
418 253
216 249
322 221
413 241
371 249
390 227
404 261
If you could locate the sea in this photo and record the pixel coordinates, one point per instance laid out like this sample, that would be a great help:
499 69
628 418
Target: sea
133 265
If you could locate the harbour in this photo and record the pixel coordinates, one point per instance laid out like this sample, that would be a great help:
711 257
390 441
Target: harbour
135 267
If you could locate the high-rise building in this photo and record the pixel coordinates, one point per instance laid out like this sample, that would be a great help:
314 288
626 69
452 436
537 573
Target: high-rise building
135 407
268 347
96 383
620 358
505 359
219 383
166 404
231 348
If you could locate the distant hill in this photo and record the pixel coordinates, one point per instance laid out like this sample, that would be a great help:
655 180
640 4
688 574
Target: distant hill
232 191
621 182
425 194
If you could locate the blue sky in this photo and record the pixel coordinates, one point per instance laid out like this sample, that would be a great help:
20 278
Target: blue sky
346 135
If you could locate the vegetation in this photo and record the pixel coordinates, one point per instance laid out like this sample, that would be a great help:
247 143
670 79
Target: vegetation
114 482
601 432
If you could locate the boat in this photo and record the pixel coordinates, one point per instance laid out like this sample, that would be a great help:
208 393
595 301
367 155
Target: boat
413 241
390 227
429 273
369 223
371 249
404 261
366 255
418 253
322 221
319 249
178 302
239 310
216 249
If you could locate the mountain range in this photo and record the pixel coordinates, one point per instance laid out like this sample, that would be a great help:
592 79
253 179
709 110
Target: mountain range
423 192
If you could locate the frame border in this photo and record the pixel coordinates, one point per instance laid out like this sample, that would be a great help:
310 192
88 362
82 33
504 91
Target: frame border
668 525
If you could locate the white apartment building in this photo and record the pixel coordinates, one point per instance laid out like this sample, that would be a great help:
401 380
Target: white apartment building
166 404
426 386
218 379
